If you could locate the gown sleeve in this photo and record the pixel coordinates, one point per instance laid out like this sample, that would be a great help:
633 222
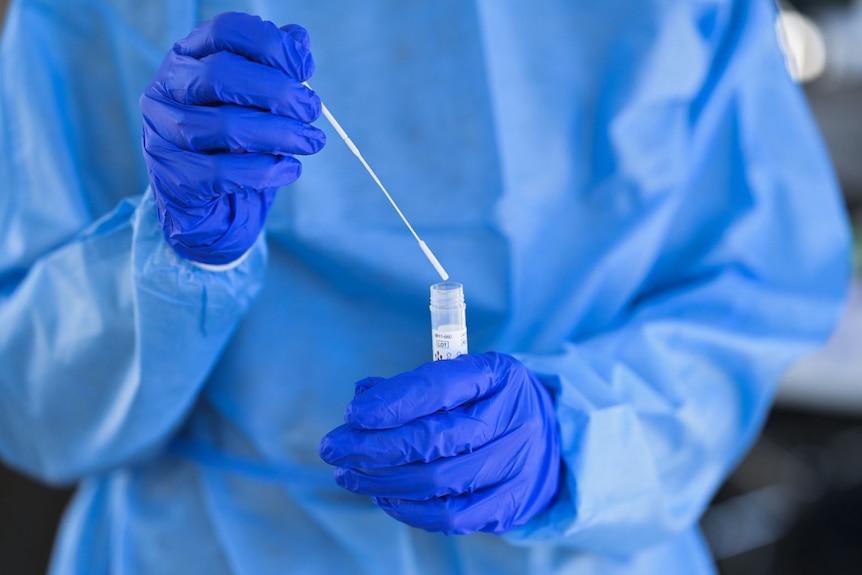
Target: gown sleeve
655 411
106 335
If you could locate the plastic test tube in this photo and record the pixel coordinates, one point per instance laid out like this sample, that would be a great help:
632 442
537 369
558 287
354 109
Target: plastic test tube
448 320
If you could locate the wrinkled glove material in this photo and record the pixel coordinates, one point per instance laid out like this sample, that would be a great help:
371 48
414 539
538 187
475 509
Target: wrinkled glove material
224 118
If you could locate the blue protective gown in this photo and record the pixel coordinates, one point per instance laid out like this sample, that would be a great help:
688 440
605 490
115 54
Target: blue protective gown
632 192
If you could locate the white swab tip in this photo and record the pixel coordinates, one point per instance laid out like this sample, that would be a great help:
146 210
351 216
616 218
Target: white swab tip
433 259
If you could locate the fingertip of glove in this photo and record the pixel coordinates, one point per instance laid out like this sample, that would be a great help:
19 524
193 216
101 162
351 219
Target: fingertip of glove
328 450
361 414
312 139
306 68
393 507
318 141
284 171
298 47
324 448
352 416
298 33
364 385
315 107
344 478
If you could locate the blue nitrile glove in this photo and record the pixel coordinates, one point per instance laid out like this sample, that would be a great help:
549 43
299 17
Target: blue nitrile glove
222 119
461 445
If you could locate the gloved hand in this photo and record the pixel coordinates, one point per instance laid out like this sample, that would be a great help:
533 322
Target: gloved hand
462 445
222 119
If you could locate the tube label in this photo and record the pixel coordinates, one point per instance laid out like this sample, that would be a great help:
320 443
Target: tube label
449 343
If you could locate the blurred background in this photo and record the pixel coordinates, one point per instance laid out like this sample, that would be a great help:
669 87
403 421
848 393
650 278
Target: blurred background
794 504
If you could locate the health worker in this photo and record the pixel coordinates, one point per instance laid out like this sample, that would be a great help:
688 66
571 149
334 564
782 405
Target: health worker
633 194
